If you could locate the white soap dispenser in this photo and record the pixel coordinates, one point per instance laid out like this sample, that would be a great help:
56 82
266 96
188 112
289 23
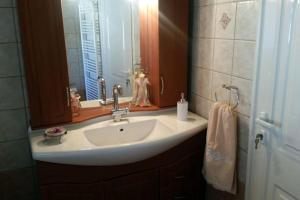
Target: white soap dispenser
182 109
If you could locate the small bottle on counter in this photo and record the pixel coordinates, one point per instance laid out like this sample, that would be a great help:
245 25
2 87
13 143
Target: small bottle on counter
182 109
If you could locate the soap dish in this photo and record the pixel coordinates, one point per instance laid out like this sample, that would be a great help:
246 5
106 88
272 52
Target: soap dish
54 135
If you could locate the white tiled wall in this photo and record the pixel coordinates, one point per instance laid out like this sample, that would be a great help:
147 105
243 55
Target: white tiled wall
224 34
16 165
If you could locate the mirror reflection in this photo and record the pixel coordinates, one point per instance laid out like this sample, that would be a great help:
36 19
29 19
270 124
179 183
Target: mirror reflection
103 48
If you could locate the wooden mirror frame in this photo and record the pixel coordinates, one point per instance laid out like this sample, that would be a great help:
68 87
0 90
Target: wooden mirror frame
164 52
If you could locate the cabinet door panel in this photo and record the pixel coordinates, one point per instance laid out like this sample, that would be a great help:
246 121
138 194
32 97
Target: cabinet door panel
183 179
139 186
173 49
72 192
45 61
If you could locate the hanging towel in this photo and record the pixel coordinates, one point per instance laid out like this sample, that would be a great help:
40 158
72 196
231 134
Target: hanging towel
220 152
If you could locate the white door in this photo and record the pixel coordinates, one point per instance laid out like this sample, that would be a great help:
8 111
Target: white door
274 167
116 40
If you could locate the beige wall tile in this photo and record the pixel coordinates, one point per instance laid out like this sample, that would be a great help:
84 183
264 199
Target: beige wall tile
204 2
13 125
16 24
6 3
14 145
15 154
218 79
225 20
11 95
203 50
247 20
232 63
242 166
7 27
201 82
245 86
223 54
196 21
244 59
245 91
243 132
9 57
200 105
207 21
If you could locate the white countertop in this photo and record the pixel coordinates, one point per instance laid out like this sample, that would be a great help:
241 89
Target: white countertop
77 149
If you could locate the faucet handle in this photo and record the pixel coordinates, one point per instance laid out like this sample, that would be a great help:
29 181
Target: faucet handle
119 114
118 89
101 80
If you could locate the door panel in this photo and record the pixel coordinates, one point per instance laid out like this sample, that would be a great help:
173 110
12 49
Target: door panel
116 40
285 145
292 109
275 165
279 194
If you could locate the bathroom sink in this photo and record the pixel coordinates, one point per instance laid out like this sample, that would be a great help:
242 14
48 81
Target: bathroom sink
125 133
102 142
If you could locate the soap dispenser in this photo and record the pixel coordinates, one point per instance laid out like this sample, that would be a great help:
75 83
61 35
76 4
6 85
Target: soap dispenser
182 109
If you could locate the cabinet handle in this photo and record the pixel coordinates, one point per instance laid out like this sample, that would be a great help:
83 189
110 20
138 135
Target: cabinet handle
179 177
162 85
177 197
68 96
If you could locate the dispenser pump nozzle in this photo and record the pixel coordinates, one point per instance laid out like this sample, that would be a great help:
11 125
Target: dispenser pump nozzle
182 97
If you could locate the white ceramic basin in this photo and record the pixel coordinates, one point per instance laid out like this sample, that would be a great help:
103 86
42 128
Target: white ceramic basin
102 142
125 133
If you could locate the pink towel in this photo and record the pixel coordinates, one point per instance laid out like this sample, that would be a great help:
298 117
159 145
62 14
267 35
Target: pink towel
220 152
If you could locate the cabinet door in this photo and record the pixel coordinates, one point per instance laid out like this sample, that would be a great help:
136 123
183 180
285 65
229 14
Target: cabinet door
141 186
45 61
183 179
173 50
72 192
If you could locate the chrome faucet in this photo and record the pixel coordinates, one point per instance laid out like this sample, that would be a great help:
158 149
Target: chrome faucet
103 89
118 113
103 99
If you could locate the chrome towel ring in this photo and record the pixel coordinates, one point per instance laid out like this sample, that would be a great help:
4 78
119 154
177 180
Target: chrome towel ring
234 89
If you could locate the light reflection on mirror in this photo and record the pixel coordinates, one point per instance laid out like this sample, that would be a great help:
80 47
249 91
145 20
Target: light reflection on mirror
102 41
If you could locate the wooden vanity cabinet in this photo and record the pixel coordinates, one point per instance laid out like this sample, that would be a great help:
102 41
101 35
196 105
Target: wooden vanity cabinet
175 174
164 52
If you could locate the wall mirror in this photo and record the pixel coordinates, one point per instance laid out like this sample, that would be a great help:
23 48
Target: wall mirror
72 43
102 39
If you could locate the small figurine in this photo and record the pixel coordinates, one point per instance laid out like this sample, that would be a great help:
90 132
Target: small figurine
141 97
75 101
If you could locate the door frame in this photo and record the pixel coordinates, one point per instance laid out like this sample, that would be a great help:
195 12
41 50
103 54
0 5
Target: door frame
255 85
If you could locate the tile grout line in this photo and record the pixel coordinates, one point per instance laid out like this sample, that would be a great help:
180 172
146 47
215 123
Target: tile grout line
219 72
213 56
233 48
221 3
219 38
